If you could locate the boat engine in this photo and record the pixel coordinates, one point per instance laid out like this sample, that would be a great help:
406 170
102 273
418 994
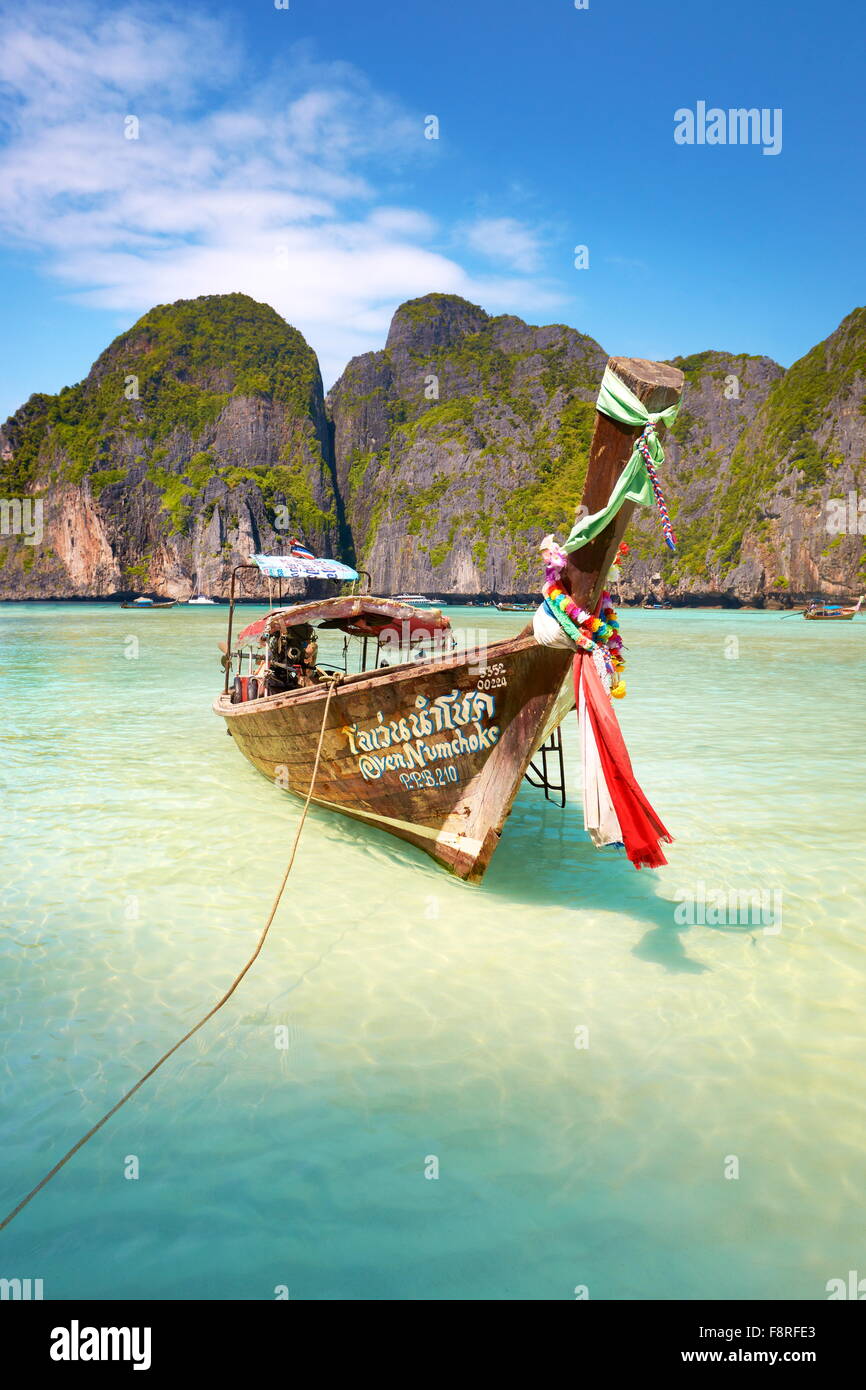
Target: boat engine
292 659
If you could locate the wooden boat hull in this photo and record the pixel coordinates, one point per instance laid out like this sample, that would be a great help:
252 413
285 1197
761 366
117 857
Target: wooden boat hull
432 753
435 752
830 617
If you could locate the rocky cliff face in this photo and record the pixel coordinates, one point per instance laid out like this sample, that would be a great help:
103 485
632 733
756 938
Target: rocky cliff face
722 396
437 463
763 477
794 516
460 444
198 436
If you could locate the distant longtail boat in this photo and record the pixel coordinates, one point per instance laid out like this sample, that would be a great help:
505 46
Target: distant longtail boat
824 611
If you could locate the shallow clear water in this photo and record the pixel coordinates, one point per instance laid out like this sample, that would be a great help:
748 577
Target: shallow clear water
423 1017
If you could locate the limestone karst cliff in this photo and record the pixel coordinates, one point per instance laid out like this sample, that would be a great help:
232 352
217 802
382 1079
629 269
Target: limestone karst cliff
436 463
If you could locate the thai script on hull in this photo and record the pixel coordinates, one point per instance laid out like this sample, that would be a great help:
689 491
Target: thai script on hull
389 745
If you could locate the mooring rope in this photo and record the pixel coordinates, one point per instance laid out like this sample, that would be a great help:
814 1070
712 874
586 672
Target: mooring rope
333 681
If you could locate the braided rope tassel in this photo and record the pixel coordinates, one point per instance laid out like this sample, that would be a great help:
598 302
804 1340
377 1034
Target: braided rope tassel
667 528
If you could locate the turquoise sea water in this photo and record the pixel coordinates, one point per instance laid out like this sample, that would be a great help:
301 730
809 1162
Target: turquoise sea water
424 1018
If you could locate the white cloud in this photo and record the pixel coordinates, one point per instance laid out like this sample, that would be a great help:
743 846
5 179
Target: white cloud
263 182
508 241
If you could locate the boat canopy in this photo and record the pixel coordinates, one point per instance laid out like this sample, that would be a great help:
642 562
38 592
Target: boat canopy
301 567
357 615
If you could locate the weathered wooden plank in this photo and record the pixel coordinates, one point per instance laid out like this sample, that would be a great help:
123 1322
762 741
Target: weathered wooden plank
658 386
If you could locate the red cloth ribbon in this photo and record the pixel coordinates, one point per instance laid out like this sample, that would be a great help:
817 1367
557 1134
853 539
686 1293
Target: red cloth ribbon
642 831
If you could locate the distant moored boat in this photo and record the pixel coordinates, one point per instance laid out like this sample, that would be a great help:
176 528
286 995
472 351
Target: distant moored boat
829 611
149 603
416 600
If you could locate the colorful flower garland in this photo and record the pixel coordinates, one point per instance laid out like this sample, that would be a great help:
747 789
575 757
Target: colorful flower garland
591 633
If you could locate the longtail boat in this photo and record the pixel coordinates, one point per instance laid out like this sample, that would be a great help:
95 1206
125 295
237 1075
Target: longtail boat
823 611
433 745
517 607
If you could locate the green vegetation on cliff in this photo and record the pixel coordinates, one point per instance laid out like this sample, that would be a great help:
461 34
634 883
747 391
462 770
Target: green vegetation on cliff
221 344
549 501
793 434
499 451
171 374
464 440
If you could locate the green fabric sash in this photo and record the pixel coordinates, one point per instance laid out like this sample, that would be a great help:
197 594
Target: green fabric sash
633 484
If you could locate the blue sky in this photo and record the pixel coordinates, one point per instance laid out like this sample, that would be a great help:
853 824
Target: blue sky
283 153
